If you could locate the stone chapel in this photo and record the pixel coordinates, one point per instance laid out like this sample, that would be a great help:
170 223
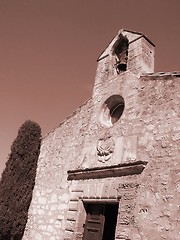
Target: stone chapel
111 170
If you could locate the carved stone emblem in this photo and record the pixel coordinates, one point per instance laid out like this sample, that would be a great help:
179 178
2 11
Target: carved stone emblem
105 148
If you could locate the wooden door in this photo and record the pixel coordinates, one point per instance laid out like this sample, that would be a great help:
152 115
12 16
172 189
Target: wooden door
94 226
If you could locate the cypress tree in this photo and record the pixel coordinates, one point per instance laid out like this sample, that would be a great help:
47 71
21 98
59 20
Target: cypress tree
17 181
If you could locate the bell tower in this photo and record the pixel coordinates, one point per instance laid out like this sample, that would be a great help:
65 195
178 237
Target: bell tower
128 52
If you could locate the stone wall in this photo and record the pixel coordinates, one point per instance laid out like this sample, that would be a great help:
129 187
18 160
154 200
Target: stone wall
157 210
134 161
148 131
48 210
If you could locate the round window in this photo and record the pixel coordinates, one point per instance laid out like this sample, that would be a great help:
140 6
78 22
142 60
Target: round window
112 110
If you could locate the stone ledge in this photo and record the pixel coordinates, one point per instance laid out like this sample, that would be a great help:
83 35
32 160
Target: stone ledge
107 171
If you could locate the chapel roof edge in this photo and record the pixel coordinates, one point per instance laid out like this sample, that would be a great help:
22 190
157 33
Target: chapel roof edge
126 30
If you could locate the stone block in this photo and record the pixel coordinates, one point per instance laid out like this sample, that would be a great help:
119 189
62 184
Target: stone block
70 225
73 205
72 215
105 190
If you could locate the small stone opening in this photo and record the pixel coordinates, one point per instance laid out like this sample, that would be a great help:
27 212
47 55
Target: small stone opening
121 67
120 50
112 110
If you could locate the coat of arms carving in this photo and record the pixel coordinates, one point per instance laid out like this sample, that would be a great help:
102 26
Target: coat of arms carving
105 148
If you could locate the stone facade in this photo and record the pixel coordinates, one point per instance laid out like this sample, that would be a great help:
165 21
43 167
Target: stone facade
121 146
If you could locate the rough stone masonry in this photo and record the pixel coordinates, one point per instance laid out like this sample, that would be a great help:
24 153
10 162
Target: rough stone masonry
116 159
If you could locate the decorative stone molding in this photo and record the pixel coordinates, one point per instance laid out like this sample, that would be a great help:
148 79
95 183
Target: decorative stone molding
108 171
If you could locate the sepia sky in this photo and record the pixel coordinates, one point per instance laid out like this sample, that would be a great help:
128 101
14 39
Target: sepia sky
48 52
